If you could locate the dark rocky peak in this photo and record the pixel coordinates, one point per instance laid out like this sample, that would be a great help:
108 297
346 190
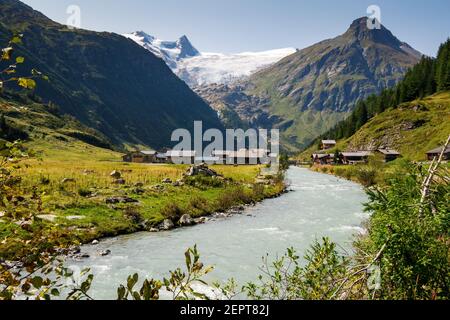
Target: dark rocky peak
359 31
186 47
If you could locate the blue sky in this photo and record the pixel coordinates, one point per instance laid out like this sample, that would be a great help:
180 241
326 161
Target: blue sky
231 26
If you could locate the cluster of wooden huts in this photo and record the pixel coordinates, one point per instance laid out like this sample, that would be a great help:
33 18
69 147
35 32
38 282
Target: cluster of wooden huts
362 156
239 157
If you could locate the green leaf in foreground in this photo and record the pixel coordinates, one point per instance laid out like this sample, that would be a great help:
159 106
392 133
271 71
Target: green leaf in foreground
26 83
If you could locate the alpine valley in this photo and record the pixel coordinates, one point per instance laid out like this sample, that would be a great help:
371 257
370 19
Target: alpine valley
97 203
305 93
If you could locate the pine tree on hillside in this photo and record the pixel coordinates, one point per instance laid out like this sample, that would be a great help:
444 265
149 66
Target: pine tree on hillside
361 114
443 67
430 78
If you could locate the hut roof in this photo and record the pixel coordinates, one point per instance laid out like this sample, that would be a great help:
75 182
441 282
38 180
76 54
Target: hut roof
439 150
357 154
389 152
148 152
179 153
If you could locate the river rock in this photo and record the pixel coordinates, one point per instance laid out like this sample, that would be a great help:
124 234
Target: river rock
221 215
12 264
95 242
74 251
201 220
167 225
186 220
105 253
81 256
167 181
153 230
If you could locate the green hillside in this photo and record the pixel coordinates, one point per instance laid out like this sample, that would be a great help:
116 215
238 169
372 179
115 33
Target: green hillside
21 118
413 128
107 82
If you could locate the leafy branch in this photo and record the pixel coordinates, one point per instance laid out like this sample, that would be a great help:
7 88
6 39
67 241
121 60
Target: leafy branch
7 74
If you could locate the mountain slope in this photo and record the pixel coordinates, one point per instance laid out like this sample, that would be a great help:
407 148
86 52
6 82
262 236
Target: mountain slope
106 81
310 91
412 128
24 119
198 69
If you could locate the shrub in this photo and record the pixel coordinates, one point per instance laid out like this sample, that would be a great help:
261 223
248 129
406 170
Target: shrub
233 196
133 215
366 176
200 204
203 182
414 263
83 192
258 192
44 180
172 211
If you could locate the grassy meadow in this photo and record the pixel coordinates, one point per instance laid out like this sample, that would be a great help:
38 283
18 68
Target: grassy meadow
73 182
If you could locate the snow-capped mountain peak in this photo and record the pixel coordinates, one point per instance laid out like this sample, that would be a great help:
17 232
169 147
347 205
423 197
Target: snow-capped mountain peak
197 68
170 51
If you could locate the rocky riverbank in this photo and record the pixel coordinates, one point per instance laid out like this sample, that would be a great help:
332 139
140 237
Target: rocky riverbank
187 220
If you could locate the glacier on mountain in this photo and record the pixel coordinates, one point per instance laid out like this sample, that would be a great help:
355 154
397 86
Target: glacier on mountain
198 69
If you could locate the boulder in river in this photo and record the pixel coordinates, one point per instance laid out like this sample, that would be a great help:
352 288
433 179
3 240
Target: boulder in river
186 220
167 225
105 253
201 220
81 256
